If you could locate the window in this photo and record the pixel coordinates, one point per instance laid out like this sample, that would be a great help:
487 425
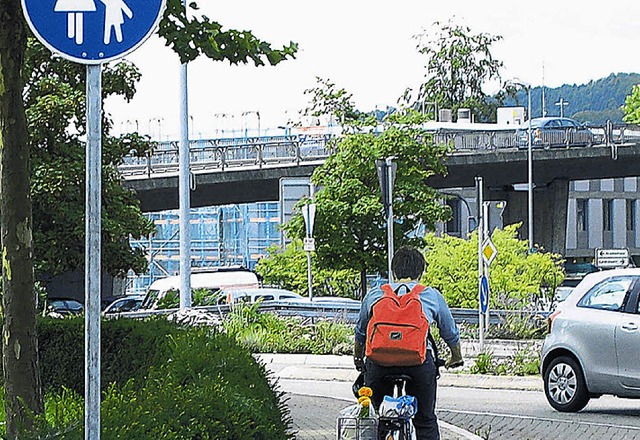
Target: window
607 214
454 225
631 215
608 295
582 214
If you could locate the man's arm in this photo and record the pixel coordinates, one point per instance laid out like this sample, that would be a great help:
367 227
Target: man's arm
450 333
361 328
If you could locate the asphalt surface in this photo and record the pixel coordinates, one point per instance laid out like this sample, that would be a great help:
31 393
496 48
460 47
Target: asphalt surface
318 387
469 406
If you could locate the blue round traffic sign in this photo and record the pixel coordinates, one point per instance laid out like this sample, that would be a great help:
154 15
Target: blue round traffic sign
93 31
484 294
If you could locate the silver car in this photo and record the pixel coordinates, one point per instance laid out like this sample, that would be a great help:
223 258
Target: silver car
593 342
554 132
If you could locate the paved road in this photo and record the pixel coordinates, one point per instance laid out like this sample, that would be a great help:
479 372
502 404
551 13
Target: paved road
314 418
315 407
494 413
509 414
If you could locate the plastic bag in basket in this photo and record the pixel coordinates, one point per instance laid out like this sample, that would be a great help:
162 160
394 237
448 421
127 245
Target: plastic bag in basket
404 407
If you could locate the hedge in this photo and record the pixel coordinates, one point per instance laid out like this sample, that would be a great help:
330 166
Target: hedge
159 381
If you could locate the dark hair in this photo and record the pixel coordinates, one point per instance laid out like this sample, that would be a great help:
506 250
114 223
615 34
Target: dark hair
408 262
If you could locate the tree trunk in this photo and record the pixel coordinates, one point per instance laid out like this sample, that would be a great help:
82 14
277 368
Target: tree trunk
23 394
363 283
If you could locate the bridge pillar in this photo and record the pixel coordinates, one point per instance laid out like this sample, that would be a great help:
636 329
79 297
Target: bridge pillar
549 213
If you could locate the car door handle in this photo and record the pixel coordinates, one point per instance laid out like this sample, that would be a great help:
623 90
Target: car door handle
630 326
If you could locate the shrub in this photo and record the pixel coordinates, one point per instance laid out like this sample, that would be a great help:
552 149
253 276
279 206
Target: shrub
519 326
484 364
129 348
270 333
179 383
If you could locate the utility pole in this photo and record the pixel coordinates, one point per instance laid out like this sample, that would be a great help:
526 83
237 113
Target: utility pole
561 103
544 103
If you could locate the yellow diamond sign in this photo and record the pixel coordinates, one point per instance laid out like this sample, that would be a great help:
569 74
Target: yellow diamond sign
489 251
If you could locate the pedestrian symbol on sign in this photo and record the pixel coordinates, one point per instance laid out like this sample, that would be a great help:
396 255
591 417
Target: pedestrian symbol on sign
75 19
114 13
115 10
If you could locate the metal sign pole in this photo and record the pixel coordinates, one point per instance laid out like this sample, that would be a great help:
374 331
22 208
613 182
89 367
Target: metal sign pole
92 253
184 195
390 182
485 230
480 215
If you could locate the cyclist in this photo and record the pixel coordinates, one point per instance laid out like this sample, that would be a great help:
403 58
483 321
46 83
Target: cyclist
408 265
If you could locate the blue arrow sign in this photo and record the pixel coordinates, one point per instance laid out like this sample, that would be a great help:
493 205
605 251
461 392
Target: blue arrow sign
92 31
484 294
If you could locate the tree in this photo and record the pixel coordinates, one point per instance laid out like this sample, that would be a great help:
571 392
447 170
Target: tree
191 37
55 108
23 394
631 107
350 226
288 269
459 64
516 275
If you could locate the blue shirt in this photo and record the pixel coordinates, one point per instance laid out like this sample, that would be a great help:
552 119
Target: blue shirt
433 304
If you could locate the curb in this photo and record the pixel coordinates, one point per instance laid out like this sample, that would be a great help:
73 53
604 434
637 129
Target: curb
340 368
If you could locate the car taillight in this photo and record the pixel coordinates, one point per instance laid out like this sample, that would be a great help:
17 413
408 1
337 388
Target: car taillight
550 320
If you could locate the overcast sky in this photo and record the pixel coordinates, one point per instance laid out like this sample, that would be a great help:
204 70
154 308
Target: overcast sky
367 48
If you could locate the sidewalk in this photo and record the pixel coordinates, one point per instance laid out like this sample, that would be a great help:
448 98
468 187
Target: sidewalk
318 386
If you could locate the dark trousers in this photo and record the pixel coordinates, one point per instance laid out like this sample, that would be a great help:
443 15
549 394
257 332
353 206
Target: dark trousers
422 386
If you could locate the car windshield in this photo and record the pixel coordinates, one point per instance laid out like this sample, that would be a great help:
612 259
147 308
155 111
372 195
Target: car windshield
151 297
535 123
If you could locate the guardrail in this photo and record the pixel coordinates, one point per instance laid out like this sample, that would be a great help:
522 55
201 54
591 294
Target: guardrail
347 313
293 150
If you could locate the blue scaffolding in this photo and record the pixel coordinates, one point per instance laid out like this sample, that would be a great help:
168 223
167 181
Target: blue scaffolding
220 236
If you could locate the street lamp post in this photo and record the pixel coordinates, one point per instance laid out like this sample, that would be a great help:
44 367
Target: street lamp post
529 164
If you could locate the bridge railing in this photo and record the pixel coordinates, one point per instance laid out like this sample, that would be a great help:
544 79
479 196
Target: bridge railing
228 153
231 153
476 140
347 313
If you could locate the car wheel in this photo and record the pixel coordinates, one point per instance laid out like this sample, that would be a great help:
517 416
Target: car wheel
564 385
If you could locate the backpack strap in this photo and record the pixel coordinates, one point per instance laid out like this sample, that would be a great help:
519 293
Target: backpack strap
387 289
417 290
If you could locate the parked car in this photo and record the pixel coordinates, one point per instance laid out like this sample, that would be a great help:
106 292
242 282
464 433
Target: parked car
232 296
592 343
62 307
562 292
554 132
212 279
128 303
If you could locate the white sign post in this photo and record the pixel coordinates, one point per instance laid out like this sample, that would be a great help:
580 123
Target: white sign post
92 32
309 214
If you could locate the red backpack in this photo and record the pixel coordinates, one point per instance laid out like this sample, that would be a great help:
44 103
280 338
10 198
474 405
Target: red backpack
398 329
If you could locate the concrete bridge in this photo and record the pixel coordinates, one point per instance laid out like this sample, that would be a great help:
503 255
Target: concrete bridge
228 171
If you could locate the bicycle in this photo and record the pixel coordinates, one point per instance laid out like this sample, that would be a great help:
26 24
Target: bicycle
398 427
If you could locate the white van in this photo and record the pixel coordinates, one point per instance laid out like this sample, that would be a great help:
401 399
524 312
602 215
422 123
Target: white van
235 295
213 279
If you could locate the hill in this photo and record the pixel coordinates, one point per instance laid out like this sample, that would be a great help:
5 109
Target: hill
591 103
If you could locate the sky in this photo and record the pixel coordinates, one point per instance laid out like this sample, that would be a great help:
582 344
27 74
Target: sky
368 49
